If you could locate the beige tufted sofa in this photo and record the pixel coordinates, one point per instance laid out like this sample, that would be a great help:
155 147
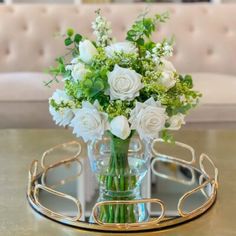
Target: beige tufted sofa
205 46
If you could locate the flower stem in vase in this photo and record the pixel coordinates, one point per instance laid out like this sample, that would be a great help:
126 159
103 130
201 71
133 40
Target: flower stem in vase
119 184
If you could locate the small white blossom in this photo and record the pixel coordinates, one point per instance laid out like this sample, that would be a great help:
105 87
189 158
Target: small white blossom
164 49
124 83
79 71
176 121
64 115
102 30
168 50
89 123
148 119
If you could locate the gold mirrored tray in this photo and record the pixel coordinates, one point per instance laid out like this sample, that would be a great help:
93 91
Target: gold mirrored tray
62 187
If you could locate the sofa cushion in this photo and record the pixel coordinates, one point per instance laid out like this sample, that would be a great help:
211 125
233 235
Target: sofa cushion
24 100
25 87
218 103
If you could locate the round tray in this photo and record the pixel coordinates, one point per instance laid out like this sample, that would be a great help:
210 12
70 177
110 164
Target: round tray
176 190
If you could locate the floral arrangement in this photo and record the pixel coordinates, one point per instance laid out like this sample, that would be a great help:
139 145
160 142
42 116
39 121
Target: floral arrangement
121 86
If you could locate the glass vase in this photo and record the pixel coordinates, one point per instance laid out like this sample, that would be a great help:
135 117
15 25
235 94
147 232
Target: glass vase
120 166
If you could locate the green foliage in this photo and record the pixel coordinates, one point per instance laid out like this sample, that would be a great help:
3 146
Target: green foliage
70 32
186 80
59 69
61 105
72 40
94 83
118 107
77 38
147 62
143 28
166 136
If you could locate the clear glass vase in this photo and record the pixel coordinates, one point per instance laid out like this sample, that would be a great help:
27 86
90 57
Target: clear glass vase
120 166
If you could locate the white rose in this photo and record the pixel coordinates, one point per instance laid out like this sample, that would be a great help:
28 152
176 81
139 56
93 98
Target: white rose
119 126
125 47
176 121
124 83
63 116
89 123
87 51
148 119
167 78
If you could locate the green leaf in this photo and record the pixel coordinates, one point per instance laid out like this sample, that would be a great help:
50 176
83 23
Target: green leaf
188 81
167 137
149 45
70 32
77 38
87 83
68 41
162 17
99 85
140 41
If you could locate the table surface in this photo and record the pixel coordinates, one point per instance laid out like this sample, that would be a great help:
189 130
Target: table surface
19 147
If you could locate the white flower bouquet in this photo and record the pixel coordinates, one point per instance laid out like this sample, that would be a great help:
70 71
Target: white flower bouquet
120 88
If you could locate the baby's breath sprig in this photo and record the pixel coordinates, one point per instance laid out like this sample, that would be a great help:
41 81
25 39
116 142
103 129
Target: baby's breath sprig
102 30
118 107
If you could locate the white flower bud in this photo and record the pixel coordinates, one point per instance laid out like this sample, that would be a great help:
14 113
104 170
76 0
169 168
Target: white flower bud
119 126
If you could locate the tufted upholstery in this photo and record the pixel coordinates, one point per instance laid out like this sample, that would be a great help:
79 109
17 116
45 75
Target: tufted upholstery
29 42
205 35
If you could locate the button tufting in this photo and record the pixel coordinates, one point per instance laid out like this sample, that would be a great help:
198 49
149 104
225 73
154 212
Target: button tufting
7 51
123 28
44 10
57 29
10 9
76 10
227 30
210 51
191 28
204 10
25 27
41 52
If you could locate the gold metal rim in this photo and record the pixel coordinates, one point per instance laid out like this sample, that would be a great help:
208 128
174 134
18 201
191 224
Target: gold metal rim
154 223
